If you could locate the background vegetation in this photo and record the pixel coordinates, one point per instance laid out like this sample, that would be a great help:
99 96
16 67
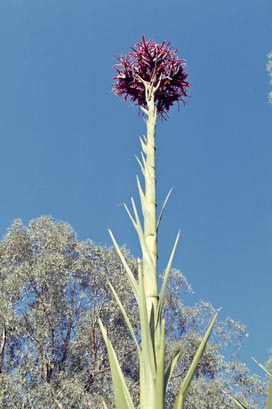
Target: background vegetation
54 288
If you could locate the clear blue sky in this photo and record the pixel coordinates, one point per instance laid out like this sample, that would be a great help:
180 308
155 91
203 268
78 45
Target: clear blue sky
68 144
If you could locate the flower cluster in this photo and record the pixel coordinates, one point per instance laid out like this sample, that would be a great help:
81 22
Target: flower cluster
151 62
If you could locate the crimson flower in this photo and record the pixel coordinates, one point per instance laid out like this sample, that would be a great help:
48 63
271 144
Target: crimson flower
150 61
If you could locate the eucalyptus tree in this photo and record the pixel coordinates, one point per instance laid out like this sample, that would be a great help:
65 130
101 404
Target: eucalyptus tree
269 69
54 289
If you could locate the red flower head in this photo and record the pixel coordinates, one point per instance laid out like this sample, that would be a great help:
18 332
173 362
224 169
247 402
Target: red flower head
150 61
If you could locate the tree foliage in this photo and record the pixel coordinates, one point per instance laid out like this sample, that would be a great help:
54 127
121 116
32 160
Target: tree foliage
269 69
53 289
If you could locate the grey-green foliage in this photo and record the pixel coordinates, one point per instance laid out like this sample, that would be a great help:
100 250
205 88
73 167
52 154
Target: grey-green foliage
269 363
53 288
269 69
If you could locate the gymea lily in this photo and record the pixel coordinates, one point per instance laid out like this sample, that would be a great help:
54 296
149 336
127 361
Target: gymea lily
153 77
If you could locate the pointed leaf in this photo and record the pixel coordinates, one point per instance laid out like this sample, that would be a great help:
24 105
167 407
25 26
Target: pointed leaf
122 395
131 277
125 317
188 378
140 164
141 194
235 400
160 361
144 110
104 404
147 345
143 143
142 238
270 383
165 279
171 367
163 206
143 159
263 367
139 230
131 218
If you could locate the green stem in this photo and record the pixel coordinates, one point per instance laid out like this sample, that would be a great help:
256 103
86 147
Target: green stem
150 223
151 396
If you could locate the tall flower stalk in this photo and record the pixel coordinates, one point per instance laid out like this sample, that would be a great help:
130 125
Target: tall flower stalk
153 77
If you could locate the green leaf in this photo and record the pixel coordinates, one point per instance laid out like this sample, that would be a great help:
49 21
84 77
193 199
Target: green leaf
144 247
147 344
263 367
163 206
138 227
131 218
122 395
142 196
269 405
140 164
160 360
235 400
171 367
188 378
104 404
125 316
165 279
133 282
147 360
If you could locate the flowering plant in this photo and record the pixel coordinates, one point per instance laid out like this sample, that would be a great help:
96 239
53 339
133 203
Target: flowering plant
150 62
154 77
